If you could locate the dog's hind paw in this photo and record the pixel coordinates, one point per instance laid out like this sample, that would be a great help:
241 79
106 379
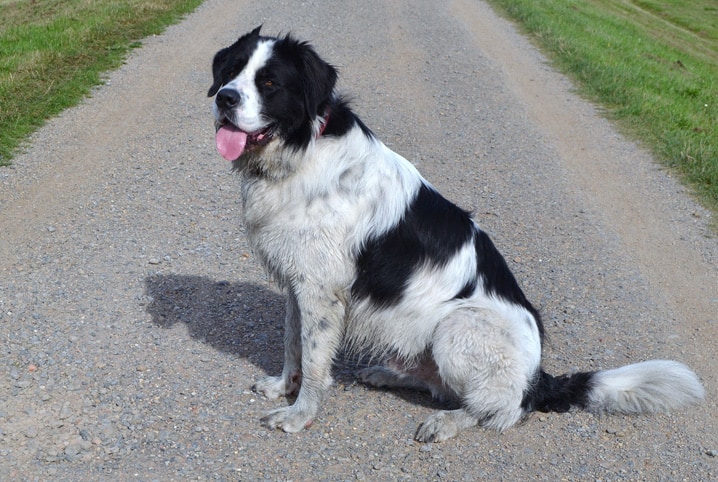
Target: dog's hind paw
444 424
437 428
287 419
378 376
275 387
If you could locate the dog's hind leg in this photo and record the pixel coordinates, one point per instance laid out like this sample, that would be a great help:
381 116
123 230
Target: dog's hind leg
288 382
421 374
487 358
384 377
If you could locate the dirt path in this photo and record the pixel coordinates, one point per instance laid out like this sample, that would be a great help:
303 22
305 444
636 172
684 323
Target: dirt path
134 318
664 233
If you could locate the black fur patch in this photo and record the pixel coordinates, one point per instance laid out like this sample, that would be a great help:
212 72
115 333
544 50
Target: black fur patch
558 394
498 278
342 119
432 230
230 61
303 86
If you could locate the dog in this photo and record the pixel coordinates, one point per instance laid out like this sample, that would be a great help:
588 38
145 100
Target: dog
373 259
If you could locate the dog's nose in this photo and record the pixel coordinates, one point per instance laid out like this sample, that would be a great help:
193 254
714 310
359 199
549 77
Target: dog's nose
228 98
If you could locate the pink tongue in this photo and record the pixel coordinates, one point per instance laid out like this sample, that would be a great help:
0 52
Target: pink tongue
230 142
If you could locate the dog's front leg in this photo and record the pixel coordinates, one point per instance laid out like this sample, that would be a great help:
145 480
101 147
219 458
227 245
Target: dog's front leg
288 382
322 319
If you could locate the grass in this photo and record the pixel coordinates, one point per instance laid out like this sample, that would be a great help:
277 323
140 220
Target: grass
52 52
653 65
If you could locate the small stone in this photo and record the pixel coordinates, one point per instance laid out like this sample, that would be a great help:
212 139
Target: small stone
65 411
74 385
154 261
618 432
52 456
51 229
72 451
712 453
112 450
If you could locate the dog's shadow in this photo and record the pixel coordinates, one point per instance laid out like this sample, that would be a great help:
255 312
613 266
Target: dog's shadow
242 319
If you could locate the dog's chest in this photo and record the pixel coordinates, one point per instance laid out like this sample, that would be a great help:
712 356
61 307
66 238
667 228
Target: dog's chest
296 231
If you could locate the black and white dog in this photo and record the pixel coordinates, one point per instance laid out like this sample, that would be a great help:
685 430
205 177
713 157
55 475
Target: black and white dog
374 259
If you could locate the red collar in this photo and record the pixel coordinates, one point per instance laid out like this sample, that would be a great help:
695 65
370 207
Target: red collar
324 122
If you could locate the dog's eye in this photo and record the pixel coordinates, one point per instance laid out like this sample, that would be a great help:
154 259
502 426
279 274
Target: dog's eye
269 83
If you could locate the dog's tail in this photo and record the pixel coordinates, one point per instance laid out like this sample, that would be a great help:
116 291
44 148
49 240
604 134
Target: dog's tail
651 386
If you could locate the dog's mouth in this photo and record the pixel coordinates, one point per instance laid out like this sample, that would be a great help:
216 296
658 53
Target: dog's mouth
232 141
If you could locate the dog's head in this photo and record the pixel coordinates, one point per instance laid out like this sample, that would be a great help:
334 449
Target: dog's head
268 90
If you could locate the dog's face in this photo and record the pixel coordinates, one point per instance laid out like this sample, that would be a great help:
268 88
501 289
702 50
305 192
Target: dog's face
267 90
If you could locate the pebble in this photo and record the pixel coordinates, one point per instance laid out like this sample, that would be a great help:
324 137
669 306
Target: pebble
66 411
72 451
618 432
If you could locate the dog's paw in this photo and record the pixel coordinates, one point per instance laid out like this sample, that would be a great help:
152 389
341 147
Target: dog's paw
274 387
287 419
377 376
437 428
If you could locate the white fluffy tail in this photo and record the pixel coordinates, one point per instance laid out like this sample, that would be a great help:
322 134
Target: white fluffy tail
651 386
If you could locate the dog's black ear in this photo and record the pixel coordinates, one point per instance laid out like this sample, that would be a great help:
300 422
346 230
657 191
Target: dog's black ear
217 66
318 78
220 60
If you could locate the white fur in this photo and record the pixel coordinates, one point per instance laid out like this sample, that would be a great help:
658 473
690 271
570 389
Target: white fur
482 355
329 200
651 386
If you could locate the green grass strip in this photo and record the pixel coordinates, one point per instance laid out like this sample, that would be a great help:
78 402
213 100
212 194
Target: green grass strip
53 52
653 64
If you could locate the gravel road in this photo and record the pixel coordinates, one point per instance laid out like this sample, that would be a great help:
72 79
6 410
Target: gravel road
134 318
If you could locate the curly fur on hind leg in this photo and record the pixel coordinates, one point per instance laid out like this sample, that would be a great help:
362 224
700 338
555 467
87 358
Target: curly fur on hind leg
486 357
